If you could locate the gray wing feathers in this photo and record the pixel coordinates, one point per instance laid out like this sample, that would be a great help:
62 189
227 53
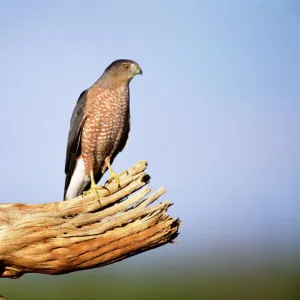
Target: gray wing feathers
74 139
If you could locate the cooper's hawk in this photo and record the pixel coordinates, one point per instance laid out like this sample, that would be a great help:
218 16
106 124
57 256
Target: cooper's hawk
99 128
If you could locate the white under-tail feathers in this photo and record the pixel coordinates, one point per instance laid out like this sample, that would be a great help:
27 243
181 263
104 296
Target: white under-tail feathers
78 181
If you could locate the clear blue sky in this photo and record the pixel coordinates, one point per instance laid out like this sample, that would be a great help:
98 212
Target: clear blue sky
216 113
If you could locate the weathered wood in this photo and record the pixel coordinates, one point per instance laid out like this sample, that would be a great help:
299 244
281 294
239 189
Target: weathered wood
84 233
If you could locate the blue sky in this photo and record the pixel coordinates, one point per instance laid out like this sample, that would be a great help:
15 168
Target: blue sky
216 113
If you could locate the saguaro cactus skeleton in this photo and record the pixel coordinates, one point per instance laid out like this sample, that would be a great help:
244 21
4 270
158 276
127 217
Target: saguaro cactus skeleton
84 233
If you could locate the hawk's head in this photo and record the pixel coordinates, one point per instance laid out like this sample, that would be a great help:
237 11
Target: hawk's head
123 70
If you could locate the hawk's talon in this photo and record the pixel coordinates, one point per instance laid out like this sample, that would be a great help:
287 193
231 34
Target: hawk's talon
113 176
94 189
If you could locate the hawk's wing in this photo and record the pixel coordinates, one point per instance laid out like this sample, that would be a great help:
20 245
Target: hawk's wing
74 140
124 137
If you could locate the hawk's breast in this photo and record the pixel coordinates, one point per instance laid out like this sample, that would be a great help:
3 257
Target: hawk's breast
107 118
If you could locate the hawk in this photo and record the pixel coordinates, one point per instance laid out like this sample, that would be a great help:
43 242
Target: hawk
99 129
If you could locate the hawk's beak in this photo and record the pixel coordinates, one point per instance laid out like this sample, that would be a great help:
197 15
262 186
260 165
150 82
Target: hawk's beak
138 70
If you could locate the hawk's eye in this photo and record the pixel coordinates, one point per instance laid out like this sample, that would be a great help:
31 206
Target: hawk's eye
126 67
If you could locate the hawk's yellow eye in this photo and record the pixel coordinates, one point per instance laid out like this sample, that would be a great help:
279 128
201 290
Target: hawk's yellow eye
126 67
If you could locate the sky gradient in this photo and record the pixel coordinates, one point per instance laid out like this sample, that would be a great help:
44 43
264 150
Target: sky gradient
216 113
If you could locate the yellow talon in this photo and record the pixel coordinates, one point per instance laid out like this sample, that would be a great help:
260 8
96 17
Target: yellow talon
112 174
94 187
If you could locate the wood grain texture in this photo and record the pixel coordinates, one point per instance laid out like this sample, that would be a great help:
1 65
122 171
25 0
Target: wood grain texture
84 233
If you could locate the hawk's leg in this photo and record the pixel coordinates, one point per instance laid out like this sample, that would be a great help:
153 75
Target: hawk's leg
112 174
94 187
